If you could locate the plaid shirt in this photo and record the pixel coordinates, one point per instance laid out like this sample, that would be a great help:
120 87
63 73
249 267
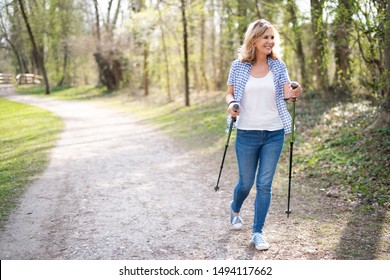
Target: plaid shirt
239 75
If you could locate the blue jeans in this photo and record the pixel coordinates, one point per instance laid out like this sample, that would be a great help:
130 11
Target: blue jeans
257 151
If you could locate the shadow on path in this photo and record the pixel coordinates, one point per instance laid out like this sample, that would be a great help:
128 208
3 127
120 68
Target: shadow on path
361 239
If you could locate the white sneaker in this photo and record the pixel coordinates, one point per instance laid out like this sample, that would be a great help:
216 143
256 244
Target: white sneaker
259 241
235 220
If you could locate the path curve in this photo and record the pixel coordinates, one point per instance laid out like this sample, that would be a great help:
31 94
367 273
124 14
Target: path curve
114 189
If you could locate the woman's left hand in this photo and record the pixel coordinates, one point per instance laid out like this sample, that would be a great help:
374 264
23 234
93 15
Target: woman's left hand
292 94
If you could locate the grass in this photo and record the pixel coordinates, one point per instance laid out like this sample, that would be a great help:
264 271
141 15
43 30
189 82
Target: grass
351 160
200 126
73 93
27 135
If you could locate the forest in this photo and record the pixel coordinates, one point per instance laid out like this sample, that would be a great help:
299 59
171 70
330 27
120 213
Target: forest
167 63
336 49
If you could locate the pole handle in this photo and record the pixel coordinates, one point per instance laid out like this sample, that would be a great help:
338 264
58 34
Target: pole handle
293 85
235 109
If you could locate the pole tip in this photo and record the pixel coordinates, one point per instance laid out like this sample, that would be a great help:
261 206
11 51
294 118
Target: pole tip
216 188
288 212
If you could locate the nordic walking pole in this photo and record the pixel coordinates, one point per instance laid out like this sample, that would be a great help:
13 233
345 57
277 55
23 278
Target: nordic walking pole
294 85
235 108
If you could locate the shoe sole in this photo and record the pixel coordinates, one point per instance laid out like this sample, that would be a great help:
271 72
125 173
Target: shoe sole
262 247
237 226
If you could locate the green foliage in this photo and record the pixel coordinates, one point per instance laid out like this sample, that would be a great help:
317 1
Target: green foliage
27 134
332 46
349 159
197 123
369 25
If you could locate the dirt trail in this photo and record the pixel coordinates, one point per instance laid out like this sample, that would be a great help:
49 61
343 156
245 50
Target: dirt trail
116 188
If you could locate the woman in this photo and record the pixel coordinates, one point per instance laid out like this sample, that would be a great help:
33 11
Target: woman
259 82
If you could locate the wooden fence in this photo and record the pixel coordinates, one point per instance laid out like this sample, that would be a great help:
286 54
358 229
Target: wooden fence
6 78
20 79
26 78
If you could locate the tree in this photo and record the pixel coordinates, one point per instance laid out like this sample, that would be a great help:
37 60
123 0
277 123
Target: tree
38 56
107 57
185 49
384 118
342 26
293 18
203 47
4 34
146 43
320 50
60 29
165 51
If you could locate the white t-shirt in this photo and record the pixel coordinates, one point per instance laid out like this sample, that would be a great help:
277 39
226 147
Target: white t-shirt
258 109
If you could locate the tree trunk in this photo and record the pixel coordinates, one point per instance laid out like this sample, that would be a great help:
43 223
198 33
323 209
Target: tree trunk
64 66
38 57
109 62
97 24
110 71
384 117
320 58
202 49
165 52
19 43
18 58
146 72
343 26
185 46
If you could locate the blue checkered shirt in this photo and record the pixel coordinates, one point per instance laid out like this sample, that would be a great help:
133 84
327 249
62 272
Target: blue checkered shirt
239 75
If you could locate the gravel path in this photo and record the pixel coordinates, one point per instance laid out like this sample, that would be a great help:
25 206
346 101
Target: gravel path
114 189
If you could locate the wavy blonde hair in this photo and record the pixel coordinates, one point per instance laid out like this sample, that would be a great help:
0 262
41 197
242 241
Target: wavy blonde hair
247 52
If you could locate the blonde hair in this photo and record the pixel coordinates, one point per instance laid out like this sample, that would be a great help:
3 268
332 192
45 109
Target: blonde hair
247 52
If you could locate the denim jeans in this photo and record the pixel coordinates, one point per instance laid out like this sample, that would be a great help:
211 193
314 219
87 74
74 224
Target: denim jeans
256 151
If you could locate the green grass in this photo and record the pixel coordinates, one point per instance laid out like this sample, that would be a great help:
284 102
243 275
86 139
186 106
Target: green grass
27 135
204 119
339 150
200 126
73 93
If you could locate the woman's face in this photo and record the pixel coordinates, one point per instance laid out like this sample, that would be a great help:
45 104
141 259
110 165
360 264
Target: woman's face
265 42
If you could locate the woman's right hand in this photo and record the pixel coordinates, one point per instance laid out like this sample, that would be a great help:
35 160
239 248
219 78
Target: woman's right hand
233 111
